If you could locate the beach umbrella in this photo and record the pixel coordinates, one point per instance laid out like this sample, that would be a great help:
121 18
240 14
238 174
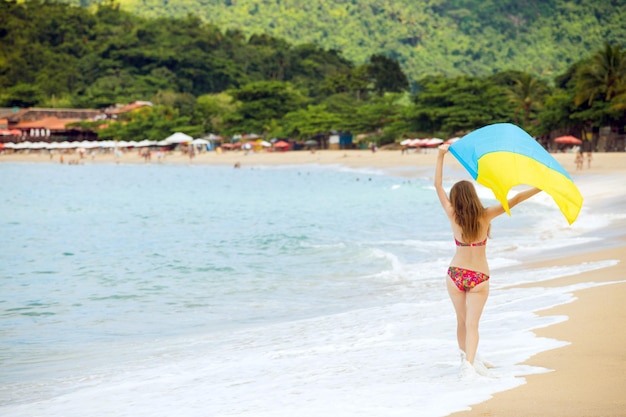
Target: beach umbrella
432 142
88 144
200 141
106 144
145 143
568 140
211 136
24 145
178 137
281 144
406 142
502 155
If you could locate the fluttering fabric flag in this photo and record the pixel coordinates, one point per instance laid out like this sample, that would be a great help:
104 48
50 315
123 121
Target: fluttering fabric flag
502 155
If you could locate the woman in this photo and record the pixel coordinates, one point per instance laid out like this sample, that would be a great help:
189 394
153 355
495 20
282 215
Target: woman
468 274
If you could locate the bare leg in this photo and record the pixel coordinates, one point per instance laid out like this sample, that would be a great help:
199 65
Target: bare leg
475 302
458 301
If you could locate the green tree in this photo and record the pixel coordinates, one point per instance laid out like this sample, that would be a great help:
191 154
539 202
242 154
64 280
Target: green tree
211 111
356 81
261 103
308 122
185 103
387 75
603 77
21 95
527 96
374 115
454 106
597 83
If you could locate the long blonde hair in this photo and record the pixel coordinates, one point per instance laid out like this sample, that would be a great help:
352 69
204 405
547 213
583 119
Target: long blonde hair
468 210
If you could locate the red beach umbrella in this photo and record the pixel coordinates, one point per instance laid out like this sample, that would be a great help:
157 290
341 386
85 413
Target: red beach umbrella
281 144
568 140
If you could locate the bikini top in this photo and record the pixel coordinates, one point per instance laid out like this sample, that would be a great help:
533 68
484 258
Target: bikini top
483 243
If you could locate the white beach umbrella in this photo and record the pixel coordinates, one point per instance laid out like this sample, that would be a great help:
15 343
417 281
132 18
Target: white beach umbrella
24 145
144 143
107 144
433 142
90 144
200 141
179 137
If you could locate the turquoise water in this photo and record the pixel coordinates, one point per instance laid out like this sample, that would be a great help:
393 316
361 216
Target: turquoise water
320 283
99 252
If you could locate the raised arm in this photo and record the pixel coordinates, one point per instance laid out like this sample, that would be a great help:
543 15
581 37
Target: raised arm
497 210
441 193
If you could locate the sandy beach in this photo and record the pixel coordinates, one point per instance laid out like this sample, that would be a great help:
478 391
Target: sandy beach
588 376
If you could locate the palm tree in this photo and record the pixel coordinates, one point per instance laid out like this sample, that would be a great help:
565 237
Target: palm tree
604 77
601 85
527 95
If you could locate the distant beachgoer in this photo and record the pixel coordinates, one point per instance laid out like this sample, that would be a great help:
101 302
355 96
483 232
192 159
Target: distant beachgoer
579 160
237 165
468 273
589 160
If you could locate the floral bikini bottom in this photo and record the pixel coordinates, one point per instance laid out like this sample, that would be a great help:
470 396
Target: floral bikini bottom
466 279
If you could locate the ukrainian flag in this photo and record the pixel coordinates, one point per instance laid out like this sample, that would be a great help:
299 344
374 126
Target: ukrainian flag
502 155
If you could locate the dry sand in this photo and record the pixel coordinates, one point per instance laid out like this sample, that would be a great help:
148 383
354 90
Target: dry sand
588 376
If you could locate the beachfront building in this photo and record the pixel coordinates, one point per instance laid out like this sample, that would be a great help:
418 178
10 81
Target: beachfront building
55 125
47 124
339 140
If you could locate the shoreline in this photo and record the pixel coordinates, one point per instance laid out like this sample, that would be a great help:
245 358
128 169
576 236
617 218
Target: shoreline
587 376
602 162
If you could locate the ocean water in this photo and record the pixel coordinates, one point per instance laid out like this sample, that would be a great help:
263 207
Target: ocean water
161 290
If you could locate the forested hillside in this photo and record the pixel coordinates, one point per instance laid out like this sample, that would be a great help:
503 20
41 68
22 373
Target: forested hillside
202 78
427 37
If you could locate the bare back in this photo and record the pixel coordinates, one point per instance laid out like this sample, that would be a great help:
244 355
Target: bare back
471 257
